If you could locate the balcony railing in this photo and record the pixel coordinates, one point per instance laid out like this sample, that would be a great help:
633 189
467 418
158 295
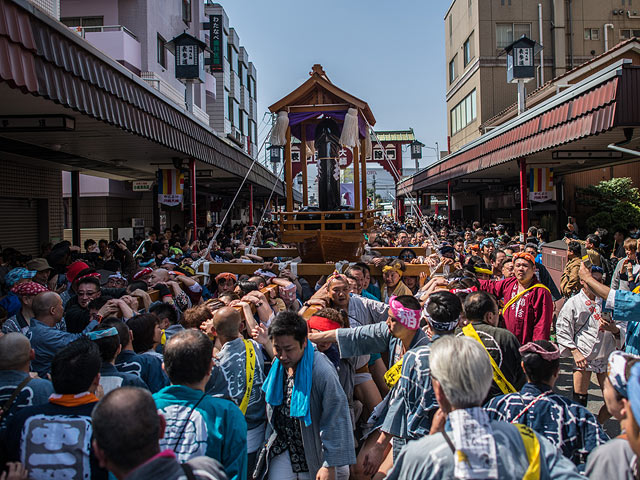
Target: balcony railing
104 28
172 94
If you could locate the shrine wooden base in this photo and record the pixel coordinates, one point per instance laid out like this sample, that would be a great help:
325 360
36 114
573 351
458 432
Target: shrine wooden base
327 246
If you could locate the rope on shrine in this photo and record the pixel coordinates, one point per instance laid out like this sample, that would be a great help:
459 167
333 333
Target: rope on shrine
253 250
426 227
201 260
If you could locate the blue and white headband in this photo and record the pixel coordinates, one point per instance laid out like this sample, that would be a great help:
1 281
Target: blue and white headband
98 334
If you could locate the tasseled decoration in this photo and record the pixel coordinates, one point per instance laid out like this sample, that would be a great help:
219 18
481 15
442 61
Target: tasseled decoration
279 132
368 146
349 136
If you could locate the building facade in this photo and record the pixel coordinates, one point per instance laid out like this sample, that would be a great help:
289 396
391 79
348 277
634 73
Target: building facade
76 99
476 32
234 113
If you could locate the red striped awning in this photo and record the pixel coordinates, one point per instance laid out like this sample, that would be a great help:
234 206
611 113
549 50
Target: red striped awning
589 113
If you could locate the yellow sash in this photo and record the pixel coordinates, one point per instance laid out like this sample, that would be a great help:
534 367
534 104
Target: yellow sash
532 447
250 372
517 297
498 376
393 374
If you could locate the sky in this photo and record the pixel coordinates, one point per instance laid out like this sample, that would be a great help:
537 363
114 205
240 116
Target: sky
389 54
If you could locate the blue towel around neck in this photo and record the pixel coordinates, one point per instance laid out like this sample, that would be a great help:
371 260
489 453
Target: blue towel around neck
273 386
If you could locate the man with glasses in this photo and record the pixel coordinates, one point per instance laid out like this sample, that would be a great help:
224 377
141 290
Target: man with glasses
87 287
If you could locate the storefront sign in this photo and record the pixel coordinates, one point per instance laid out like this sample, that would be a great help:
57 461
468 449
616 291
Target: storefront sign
142 185
215 38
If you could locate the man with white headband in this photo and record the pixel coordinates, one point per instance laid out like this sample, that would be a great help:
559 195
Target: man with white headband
398 335
471 446
412 402
615 459
567 424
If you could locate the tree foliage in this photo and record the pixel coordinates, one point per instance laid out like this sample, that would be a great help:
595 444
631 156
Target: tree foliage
615 204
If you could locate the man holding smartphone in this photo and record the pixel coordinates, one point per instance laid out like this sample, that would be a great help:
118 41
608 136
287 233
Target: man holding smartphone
627 268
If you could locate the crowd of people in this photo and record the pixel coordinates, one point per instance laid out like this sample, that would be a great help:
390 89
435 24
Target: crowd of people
126 359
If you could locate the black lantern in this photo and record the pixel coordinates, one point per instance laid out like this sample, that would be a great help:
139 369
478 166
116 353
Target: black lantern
275 152
189 58
416 150
520 59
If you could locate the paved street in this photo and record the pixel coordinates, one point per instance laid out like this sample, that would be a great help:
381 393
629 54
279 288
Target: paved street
564 386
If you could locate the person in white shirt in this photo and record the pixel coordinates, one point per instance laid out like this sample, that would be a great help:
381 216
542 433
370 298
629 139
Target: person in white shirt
588 334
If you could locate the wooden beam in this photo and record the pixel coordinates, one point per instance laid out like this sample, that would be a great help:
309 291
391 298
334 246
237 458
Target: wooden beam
395 251
277 252
310 269
317 108
303 159
363 162
288 171
356 179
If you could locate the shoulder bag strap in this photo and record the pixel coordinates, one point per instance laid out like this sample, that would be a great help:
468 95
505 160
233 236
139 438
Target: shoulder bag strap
188 471
7 405
532 447
250 368
517 297
498 376
186 422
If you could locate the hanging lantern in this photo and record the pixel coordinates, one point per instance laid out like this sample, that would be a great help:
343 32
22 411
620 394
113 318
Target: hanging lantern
416 150
275 153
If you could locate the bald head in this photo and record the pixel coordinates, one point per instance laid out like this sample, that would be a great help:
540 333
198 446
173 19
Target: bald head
159 275
45 305
226 322
15 351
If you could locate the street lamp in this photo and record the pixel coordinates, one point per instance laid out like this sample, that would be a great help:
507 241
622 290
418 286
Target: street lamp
189 63
521 65
416 152
275 156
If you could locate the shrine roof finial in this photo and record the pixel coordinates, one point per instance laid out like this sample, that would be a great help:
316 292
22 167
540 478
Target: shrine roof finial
317 68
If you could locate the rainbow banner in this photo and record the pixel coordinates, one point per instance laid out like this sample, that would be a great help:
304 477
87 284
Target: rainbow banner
541 184
170 187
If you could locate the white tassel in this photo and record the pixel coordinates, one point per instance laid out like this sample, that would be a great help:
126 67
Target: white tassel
368 146
279 132
349 136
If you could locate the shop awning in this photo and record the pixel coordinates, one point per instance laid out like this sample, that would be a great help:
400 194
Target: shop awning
598 104
42 58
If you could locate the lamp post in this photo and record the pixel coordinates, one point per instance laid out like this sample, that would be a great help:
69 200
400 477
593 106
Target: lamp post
189 63
521 69
521 66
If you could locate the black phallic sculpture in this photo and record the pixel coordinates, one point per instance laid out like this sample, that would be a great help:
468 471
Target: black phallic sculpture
327 144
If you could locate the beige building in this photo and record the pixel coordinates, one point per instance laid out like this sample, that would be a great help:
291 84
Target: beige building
476 32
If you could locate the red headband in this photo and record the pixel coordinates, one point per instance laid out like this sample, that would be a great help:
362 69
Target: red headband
88 275
525 256
142 273
464 290
321 323
227 276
